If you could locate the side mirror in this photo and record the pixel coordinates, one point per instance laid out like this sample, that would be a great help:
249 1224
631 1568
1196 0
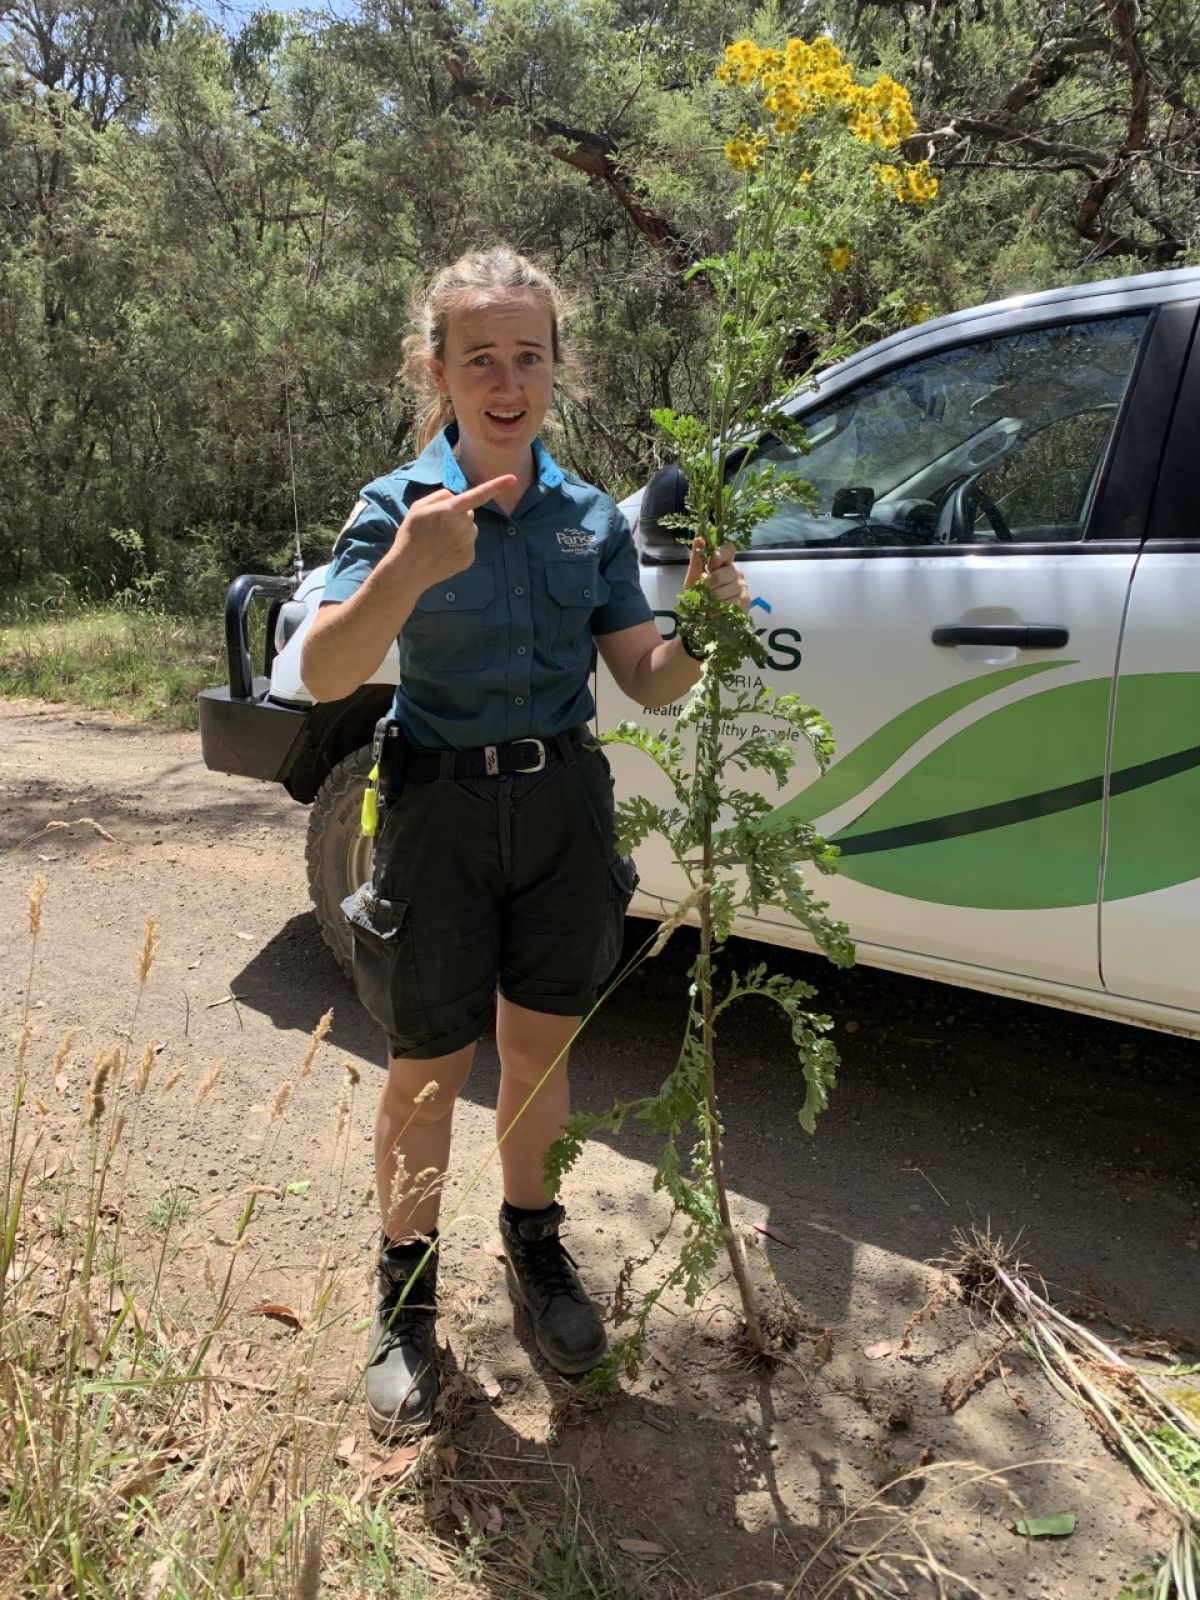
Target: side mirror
853 501
665 495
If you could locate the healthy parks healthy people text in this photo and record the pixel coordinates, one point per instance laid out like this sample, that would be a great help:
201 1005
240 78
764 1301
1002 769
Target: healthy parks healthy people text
496 889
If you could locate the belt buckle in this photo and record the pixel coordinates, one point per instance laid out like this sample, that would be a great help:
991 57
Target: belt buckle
541 756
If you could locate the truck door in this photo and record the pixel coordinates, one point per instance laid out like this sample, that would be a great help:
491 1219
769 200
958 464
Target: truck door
953 605
1150 915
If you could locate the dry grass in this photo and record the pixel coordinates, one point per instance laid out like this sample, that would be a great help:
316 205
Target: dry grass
139 1454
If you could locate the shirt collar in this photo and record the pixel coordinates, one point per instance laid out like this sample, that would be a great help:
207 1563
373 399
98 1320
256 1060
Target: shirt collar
436 464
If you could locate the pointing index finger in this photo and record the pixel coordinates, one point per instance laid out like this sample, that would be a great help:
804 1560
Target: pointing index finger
482 492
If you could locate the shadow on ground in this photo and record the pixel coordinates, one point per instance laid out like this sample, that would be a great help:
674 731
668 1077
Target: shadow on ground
1075 1136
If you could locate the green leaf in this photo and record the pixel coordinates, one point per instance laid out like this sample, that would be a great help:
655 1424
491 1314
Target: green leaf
301 1186
1056 1527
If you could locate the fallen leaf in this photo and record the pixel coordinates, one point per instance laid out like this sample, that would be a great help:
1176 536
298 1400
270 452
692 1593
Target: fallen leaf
192 965
661 1358
345 1453
302 1186
1056 1527
774 1233
49 858
493 1247
156 1577
589 1451
140 1480
822 1348
642 1547
449 1457
493 1519
397 1464
281 1313
875 1352
248 937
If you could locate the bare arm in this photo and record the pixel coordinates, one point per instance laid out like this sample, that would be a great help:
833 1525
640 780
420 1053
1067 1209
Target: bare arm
346 641
648 668
652 670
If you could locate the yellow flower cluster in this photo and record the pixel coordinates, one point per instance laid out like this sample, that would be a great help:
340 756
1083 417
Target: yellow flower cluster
804 79
915 185
744 151
839 258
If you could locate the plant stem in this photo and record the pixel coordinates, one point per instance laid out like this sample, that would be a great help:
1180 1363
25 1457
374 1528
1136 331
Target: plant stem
708 750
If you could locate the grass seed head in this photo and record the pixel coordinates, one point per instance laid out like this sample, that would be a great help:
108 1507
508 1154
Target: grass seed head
343 1113
427 1093
352 1073
173 1079
64 1049
90 822
318 1033
282 1095
149 949
208 1082
102 1067
23 1038
145 1067
34 905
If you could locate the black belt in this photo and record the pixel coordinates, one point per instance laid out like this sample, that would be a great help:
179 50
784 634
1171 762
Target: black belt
401 762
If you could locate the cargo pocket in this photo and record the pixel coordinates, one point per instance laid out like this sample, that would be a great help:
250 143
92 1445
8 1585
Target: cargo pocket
622 881
385 974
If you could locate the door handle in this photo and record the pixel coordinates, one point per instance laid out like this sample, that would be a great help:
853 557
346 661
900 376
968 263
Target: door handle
1024 635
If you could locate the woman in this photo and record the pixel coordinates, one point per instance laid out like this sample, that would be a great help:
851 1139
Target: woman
496 891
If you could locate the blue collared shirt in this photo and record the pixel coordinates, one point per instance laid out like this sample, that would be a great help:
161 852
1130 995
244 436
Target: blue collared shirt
503 650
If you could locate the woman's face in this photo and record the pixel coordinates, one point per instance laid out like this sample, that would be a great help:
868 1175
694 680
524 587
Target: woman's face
498 370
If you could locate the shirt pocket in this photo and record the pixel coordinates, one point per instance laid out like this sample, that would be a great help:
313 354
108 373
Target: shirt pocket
450 626
576 589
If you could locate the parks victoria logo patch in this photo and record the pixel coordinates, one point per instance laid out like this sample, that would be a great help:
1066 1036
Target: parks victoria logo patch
575 541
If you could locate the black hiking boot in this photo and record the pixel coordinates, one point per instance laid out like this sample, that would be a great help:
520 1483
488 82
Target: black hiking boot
401 1383
542 1277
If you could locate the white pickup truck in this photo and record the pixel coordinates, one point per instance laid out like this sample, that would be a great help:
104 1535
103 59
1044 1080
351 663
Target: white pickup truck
995 600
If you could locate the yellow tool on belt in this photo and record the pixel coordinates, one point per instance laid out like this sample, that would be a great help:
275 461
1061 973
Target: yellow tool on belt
370 803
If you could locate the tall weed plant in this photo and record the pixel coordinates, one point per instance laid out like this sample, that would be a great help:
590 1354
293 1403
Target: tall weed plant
815 150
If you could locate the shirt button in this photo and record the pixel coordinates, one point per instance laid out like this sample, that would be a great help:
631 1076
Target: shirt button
587 594
511 532
520 649
520 700
449 594
518 590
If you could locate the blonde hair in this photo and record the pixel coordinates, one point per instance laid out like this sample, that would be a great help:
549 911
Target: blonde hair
479 275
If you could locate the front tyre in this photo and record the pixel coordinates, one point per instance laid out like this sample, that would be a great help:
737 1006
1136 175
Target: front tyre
337 855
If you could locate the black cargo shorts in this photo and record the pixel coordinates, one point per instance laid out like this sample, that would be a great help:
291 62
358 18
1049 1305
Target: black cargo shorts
493 882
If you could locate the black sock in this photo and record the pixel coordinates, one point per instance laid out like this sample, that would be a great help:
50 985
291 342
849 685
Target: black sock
407 1250
512 1213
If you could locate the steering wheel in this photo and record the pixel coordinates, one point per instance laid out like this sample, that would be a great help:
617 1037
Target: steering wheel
966 502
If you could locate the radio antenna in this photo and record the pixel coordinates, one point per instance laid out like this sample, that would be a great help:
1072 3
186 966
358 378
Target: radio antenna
298 557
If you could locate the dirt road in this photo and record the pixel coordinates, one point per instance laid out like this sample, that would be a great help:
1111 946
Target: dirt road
953 1111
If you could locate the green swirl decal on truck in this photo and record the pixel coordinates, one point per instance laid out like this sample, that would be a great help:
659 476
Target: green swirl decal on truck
962 828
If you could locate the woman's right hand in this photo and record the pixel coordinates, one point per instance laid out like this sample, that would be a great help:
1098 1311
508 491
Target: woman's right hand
436 540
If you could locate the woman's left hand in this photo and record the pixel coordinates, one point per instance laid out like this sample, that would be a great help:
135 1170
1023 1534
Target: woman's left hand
724 579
